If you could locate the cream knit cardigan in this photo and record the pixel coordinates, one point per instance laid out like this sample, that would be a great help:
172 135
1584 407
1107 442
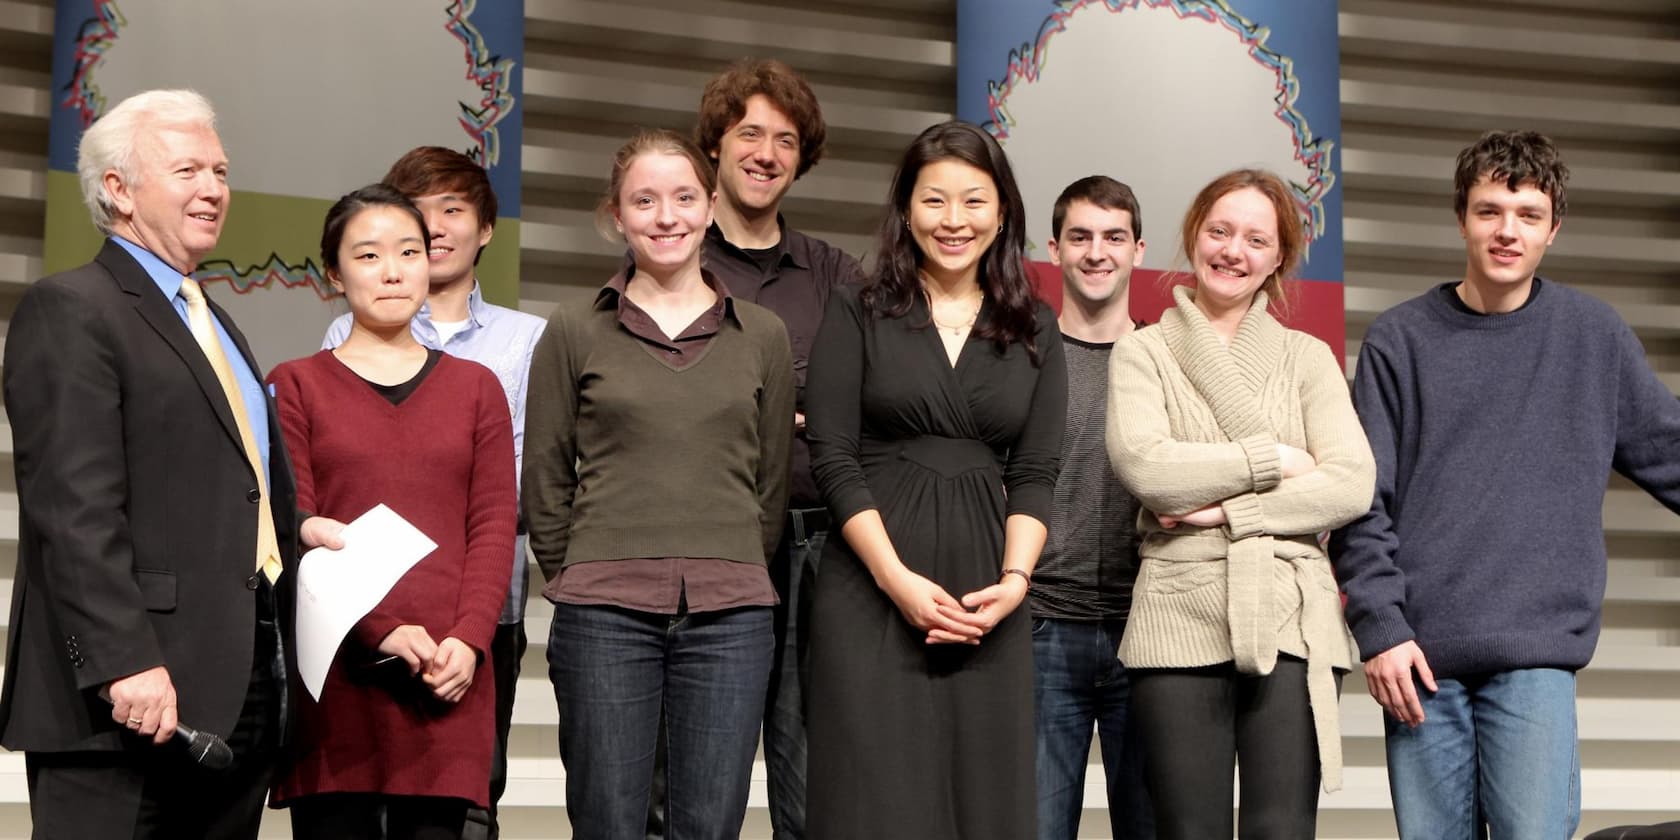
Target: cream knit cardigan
1192 422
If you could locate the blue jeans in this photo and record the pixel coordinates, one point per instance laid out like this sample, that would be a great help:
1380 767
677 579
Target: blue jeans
1078 683
613 670
1498 749
794 571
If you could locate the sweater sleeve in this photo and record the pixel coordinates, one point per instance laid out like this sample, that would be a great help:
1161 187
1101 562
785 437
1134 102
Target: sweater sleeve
1647 425
1339 488
833 408
1363 552
1167 475
1035 460
491 517
775 436
549 474
294 428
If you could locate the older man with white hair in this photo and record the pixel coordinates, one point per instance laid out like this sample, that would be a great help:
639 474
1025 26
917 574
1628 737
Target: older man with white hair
155 507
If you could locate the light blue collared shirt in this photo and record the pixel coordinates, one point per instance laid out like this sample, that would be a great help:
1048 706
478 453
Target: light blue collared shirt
168 281
502 340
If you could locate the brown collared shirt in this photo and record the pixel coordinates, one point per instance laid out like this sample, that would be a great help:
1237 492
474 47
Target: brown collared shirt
666 585
796 285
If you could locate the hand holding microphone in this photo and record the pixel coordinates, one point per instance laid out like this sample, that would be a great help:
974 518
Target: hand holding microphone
145 704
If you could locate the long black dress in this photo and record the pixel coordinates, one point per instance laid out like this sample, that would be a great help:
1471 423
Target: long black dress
910 740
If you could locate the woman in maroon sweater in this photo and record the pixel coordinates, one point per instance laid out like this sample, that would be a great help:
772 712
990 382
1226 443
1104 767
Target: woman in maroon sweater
402 732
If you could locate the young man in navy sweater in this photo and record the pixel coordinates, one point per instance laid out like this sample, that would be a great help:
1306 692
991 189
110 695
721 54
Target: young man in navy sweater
1496 408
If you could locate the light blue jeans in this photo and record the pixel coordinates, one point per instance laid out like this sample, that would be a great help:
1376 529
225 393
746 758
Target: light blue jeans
1496 750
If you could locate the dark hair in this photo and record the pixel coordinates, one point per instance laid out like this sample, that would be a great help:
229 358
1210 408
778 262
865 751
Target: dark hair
430 170
351 205
1104 192
648 141
1517 158
1292 229
897 281
724 102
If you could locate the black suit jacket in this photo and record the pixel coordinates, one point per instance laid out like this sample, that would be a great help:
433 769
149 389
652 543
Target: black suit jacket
137 510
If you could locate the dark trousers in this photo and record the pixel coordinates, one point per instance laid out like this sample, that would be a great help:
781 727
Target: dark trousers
1199 722
793 571
623 677
506 650
151 792
376 816
1079 685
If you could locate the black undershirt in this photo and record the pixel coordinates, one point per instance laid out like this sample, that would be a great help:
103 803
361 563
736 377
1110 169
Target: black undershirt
764 258
399 392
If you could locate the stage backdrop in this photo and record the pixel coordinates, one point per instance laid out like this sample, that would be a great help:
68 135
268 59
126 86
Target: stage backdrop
314 98
1164 95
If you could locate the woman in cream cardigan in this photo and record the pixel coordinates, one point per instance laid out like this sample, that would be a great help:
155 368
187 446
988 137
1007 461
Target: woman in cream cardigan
1238 437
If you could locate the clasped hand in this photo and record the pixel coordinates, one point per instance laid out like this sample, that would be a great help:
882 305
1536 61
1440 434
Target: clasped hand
947 620
446 667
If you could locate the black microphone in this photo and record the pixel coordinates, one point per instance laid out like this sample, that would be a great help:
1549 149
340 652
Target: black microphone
207 749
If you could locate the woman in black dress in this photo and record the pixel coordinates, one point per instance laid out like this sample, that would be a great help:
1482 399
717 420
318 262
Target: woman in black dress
935 408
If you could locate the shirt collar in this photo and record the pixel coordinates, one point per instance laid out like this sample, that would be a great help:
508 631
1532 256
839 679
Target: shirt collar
168 280
477 310
791 246
613 292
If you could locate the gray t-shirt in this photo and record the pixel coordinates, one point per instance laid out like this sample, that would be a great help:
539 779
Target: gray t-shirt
1091 556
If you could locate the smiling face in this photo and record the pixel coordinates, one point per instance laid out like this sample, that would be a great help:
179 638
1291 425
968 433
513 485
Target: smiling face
757 158
457 234
663 212
1096 252
954 216
1506 232
1236 250
176 201
382 268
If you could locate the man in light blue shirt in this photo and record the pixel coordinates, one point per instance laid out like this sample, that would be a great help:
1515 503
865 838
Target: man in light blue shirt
454 194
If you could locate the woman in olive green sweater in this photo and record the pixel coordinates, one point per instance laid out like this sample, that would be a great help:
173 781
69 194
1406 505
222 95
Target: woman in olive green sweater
1238 436
658 430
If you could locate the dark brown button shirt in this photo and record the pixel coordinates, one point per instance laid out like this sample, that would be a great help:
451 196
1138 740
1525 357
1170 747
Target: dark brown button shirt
666 585
796 286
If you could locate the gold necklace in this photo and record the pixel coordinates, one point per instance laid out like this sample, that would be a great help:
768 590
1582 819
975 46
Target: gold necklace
959 328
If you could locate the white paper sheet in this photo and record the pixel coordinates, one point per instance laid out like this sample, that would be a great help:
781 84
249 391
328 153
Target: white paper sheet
337 588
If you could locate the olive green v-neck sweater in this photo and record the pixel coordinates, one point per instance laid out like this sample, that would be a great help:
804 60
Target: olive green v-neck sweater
628 457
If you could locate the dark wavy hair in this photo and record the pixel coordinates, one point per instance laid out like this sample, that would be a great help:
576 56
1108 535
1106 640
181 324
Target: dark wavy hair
724 103
1517 158
897 282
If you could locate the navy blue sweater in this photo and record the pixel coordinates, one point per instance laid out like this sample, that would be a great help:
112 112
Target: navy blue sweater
1494 437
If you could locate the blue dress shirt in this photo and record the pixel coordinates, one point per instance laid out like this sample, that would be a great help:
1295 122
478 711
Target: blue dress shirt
168 281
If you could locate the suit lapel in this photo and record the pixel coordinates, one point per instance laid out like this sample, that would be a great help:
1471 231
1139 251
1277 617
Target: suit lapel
158 312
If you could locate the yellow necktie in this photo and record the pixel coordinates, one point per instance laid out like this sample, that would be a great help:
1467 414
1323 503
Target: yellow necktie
198 319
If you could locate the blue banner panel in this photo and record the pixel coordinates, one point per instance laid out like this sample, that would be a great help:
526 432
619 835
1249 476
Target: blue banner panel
1165 95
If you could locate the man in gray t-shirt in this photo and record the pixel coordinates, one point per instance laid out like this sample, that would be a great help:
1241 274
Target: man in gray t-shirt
1081 588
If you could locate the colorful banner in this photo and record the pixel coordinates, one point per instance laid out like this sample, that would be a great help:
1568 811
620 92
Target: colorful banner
314 98
1165 95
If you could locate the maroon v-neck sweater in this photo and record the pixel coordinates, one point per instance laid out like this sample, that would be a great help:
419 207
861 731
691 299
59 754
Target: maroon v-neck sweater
442 459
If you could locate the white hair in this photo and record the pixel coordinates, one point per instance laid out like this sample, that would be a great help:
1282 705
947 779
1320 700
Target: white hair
111 141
